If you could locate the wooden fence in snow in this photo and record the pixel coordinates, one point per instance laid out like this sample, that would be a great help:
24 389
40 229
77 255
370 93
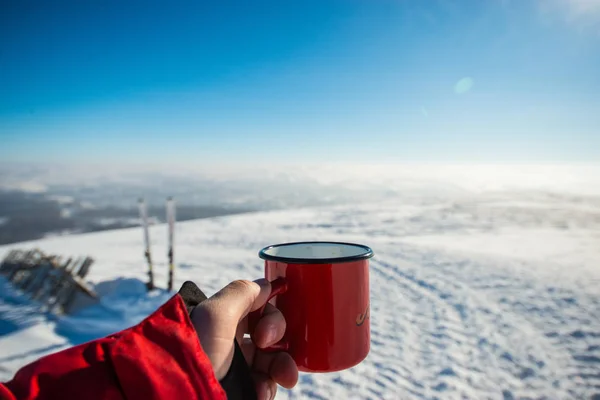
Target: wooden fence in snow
53 281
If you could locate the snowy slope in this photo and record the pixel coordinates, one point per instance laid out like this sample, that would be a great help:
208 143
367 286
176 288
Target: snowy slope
495 295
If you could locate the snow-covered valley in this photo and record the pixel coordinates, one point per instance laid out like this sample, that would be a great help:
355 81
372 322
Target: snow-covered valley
491 295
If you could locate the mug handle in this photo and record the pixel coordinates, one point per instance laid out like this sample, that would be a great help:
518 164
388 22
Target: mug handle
278 286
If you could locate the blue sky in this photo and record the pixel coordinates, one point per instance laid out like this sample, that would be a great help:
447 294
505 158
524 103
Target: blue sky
368 81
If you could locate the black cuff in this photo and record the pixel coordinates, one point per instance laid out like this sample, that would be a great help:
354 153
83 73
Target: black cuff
238 383
191 295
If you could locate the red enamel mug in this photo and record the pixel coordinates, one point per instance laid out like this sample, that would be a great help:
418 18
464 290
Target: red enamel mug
322 290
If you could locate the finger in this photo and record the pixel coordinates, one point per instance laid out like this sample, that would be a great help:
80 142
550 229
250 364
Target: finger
220 315
266 388
270 327
278 366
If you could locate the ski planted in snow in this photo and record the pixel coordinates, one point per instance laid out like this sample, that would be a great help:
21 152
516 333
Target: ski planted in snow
144 218
171 223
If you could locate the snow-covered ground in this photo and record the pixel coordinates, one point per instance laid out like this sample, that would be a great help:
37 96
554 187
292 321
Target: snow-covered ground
481 295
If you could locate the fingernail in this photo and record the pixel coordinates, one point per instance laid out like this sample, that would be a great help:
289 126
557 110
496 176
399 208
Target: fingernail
262 282
271 336
269 393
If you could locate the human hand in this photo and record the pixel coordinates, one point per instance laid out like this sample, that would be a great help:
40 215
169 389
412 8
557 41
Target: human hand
223 317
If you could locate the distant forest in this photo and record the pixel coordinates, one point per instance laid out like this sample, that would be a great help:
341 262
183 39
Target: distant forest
26 216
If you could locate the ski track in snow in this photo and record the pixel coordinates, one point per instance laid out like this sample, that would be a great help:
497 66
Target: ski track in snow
487 297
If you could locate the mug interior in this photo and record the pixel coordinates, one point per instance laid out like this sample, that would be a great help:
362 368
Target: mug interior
316 252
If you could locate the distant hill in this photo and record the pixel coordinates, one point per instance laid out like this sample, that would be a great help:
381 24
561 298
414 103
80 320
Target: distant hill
29 216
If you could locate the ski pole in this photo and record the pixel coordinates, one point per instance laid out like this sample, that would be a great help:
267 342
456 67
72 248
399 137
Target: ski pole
144 218
171 223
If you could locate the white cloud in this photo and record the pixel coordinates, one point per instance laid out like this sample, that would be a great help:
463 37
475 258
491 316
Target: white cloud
584 14
292 185
27 186
583 7
64 200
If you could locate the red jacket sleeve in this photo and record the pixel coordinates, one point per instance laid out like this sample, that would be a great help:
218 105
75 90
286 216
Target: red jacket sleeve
160 358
